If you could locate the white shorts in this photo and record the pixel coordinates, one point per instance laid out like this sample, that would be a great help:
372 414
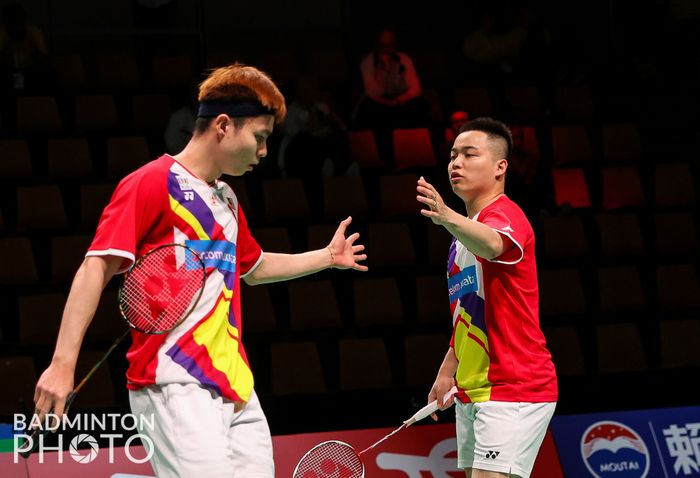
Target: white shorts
501 436
197 433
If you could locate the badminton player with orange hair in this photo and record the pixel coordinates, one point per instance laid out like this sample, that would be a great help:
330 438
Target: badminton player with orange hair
195 380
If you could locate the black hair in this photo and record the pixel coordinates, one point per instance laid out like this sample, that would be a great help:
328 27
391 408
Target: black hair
493 129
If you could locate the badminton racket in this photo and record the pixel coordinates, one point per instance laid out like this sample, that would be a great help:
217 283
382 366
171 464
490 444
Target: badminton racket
160 290
337 459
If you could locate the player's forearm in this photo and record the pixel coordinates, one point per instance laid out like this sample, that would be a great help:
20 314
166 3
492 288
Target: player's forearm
280 267
479 238
83 299
448 368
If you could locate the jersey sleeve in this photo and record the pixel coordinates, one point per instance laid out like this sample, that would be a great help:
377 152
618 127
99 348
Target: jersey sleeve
513 231
134 207
249 255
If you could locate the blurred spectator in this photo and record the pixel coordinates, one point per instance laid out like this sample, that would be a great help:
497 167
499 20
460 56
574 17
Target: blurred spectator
180 125
315 140
23 52
492 51
523 165
457 119
392 90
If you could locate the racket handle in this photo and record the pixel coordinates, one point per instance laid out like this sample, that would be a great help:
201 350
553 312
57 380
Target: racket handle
429 409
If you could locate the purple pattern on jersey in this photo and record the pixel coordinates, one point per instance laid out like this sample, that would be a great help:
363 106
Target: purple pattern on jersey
192 368
193 203
474 306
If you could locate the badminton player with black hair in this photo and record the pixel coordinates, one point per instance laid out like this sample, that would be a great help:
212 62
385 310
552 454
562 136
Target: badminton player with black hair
497 356
195 380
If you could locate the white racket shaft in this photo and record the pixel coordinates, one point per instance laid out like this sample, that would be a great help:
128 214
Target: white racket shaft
429 409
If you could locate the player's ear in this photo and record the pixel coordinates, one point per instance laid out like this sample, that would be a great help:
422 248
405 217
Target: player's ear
501 167
220 124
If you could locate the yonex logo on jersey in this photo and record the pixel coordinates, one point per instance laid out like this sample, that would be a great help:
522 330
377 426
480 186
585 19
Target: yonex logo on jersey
462 283
184 183
492 454
507 229
189 196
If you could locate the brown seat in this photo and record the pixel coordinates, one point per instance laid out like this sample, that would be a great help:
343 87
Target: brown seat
674 185
424 354
93 199
296 368
69 158
622 187
620 290
285 200
39 318
258 309
364 364
397 195
67 253
313 304
344 196
679 343
391 245
565 347
125 155
621 143
570 145
40 207
96 114
620 235
377 302
564 238
432 303
620 348
38 114
561 293
273 239
16 161
19 267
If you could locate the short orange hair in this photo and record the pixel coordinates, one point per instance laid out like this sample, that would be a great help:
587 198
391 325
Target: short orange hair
239 82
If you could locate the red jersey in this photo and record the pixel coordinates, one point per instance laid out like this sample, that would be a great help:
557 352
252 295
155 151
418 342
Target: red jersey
161 203
495 312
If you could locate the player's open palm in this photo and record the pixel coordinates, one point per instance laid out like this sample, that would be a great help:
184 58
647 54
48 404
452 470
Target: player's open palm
345 254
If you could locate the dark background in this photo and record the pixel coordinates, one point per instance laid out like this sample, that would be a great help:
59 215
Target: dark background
618 281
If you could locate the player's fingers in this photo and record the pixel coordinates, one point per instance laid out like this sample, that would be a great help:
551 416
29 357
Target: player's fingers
434 416
58 407
353 237
344 225
358 248
42 406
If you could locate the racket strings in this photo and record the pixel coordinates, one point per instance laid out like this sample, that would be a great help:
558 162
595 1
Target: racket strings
330 460
160 289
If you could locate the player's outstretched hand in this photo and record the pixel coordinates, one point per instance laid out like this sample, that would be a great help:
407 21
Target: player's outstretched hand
345 254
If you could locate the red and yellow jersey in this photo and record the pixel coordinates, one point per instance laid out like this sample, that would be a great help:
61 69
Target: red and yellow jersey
496 334
162 203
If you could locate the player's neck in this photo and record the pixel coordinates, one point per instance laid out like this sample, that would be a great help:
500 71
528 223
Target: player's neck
474 206
197 158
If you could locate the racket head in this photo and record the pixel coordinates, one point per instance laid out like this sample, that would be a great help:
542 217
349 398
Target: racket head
162 288
330 459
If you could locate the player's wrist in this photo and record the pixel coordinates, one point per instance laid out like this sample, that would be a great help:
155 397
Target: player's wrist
331 263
